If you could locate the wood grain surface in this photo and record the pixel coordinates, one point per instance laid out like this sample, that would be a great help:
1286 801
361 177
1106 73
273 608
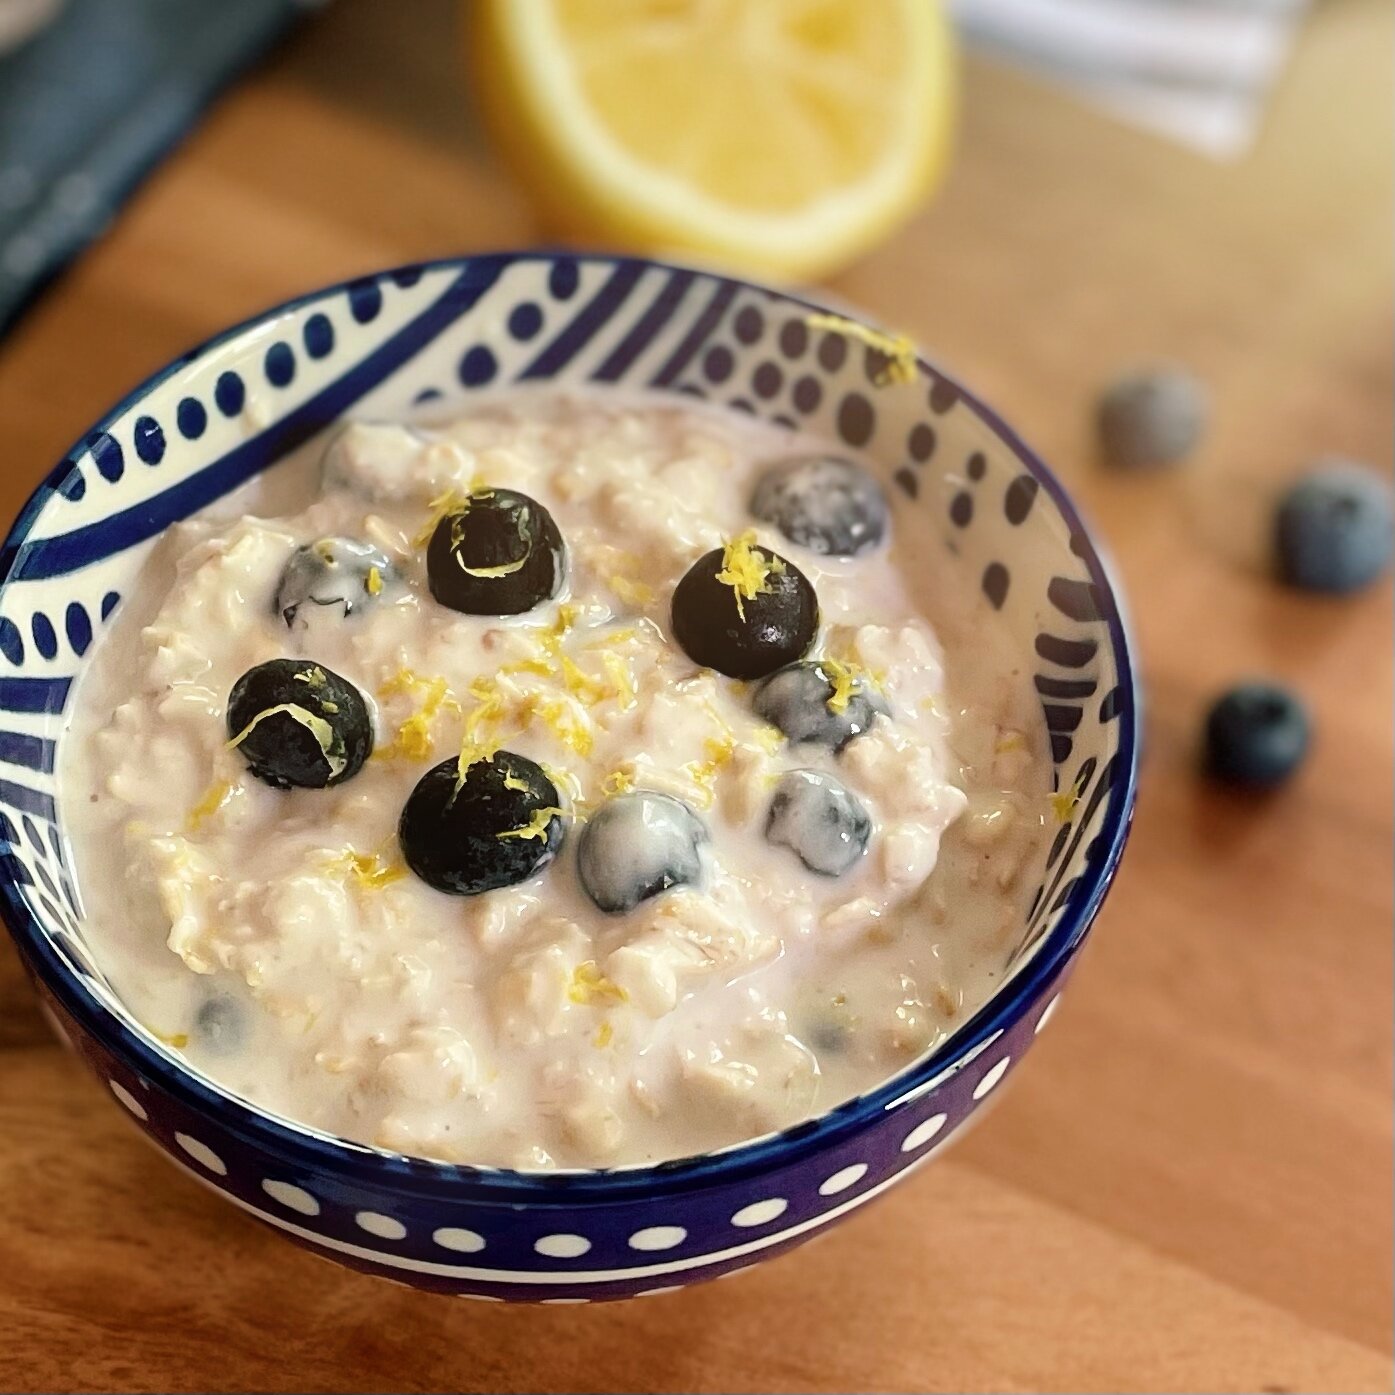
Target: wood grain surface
1190 1186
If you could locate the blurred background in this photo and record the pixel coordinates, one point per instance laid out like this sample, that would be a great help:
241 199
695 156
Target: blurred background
1192 1189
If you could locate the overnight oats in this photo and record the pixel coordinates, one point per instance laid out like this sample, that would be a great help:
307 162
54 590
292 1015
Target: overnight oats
584 781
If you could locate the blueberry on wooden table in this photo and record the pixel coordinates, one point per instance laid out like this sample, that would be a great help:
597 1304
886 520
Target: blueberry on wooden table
298 723
824 503
1153 417
471 826
498 553
636 846
743 611
1335 528
818 701
820 820
1256 735
341 575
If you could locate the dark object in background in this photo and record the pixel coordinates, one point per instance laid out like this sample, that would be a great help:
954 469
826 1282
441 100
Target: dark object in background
1153 417
92 102
1256 735
1335 528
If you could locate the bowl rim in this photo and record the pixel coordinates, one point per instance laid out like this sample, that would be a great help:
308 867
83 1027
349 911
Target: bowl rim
321 1153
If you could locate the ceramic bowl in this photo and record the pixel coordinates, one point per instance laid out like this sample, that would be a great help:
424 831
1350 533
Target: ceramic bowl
376 347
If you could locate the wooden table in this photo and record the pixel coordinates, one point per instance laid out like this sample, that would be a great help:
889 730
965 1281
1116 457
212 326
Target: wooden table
1190 1188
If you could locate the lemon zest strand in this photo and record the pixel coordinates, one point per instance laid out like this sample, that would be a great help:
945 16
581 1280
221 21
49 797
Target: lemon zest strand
632 592
214 797
367 870
316 726
900 366
844 679
589 984
746 569
537 825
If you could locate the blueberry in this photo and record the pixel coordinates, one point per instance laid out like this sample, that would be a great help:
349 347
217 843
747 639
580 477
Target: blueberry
1333 529
219 1025
743 611
818 701
499 554
340 573
824 503
820 820
1256 734
295 722
1154 417
495 827
637 845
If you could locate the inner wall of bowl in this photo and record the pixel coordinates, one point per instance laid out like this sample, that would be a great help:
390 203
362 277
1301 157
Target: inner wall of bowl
388 346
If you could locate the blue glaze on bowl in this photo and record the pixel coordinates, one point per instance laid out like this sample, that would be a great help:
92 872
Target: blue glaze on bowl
440 332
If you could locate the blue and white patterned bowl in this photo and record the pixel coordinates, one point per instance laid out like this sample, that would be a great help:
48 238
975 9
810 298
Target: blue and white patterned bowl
374 348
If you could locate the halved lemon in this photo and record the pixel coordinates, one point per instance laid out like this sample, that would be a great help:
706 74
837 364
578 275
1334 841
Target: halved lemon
783 137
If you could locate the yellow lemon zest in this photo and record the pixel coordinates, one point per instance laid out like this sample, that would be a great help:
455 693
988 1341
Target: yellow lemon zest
619 781
568 724
557 631
899 350
581 684
537 824
512 781
1063 804
565 781
703 773
632 592
471 753
605 1033
491 705
214 797
590 985
844 678
373 582
316 726
539 666
719 749
613 638
1010 741
413 739
503 569
746 569
367 870
315 678
769 738
620 680
442 506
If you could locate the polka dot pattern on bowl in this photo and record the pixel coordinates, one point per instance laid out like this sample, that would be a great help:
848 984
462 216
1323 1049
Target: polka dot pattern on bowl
439 334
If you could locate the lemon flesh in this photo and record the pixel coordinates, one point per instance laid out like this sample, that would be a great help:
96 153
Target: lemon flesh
778 136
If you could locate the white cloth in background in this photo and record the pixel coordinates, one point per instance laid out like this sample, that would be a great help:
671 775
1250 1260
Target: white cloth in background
1198 71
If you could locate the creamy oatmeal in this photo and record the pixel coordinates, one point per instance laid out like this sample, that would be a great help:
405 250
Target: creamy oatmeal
536 887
